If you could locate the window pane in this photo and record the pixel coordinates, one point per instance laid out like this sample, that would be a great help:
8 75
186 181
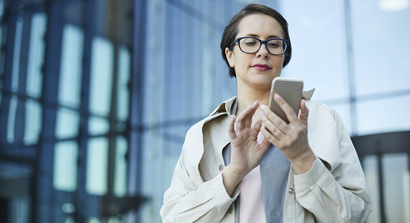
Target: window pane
317 32
36 55
97 160
97 125
395 178
123 78
370 168
65 166
67 123
71 64
120 177
376 116
11 119
381 51
16 55
101 76
32 127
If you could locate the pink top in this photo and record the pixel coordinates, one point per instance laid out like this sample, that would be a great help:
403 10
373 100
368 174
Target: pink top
251 208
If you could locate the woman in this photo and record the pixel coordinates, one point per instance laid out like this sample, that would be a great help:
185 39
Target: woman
243 163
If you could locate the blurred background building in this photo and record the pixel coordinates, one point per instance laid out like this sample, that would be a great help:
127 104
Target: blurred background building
96 97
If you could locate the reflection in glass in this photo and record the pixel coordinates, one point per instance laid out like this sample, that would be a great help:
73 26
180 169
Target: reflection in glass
36 55
395 170
101 76
71 66
67 123
65 166
120 177
97 161
370 168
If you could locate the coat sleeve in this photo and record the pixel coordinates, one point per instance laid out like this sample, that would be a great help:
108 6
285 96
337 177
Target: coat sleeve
335 188
189 199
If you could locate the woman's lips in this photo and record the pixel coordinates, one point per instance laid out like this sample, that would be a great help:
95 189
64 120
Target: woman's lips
261 67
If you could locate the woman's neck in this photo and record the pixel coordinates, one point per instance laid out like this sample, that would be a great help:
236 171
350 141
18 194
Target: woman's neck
247 96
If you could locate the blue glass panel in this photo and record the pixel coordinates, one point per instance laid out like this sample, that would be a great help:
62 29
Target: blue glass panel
67 123
11 119
370 168
124 63
120 177
33 118
36 55
317 33
97 161
16 55
101 76
381 46
71 66
396 184
97 125
65 166
376 116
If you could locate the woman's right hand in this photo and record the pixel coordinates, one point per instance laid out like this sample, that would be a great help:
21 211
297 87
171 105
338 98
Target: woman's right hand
246 152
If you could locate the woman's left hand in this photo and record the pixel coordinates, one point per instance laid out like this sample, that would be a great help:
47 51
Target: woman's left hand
290 138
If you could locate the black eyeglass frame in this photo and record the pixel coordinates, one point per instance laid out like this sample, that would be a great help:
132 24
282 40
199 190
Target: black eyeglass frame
261 43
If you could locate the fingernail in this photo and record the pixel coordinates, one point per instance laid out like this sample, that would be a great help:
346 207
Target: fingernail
278 97
262 114
255 102
248 107
263 107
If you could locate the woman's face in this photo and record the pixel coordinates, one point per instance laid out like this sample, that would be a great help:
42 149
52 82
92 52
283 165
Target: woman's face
256 70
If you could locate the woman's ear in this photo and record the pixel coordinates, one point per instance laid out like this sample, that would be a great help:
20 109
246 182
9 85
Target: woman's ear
229 57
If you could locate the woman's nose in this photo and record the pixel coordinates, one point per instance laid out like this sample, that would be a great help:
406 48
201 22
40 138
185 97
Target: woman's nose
262 51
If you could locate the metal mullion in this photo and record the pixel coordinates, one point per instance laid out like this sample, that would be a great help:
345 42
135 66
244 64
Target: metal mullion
381 188
8 68
83 137
136 100
51 70
350 65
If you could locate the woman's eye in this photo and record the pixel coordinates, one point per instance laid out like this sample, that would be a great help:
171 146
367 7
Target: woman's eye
273 45
250 43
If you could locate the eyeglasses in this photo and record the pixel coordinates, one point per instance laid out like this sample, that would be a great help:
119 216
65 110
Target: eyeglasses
252 45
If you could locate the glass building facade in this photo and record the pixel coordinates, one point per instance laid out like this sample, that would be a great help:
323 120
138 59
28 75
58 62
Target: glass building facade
96 97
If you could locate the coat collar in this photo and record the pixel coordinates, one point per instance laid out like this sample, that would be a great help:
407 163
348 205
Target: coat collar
226 106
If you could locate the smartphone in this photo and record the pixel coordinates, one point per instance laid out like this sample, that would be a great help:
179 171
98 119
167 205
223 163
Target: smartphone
290 90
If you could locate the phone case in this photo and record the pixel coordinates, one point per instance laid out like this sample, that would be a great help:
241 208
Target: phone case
290 90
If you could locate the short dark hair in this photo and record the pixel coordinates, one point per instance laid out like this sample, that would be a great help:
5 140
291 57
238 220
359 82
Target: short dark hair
231 30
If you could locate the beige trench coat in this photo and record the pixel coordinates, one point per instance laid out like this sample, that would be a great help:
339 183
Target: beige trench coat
333 190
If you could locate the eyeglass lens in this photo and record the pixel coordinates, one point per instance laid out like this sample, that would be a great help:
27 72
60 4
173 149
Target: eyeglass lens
251 45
